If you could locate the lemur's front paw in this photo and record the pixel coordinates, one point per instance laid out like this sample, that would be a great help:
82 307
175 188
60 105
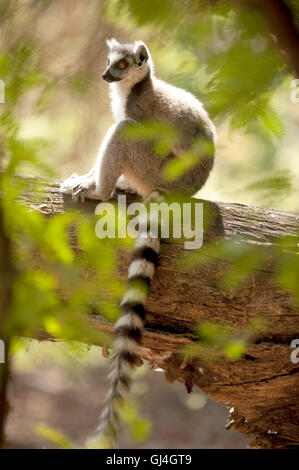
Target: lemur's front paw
81 190
80 187
67 185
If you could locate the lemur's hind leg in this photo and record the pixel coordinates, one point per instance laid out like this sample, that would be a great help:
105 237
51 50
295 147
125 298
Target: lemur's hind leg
119 156
123 184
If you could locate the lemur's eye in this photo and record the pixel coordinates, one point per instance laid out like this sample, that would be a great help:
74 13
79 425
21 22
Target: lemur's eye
122 64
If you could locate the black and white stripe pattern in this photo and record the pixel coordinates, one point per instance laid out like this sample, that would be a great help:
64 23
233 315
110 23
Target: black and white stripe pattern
128 330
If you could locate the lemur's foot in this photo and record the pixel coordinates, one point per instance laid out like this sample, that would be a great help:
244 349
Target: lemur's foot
124 185
84 189
80 187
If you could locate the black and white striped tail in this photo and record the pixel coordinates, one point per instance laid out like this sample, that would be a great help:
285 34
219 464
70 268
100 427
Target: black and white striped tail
128 331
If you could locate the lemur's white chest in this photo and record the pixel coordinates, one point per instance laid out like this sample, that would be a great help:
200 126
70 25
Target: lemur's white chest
119 95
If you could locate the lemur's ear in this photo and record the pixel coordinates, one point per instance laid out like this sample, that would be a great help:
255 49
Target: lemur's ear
141 53
112 43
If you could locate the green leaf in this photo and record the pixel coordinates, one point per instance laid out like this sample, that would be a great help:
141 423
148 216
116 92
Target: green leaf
53 435
235 349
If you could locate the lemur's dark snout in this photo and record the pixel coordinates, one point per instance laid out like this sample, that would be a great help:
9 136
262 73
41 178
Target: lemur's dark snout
108 77
105 76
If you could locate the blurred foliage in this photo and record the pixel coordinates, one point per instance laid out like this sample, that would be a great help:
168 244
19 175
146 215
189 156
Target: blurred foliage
54 436
139 427
196 401
225 56
51 54
243 258
217 341
163 135
164 138
37 300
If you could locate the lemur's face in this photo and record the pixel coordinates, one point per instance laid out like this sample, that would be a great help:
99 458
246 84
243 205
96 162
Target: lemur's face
128 62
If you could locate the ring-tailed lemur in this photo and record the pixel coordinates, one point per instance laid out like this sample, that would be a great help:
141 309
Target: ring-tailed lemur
137 95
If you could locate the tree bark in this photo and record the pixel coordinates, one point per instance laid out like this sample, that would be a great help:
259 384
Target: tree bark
261 388
5 303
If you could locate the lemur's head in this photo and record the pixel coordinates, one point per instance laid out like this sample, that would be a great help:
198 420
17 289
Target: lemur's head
127 62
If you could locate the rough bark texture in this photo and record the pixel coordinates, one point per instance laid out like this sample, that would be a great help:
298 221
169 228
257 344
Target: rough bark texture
261 389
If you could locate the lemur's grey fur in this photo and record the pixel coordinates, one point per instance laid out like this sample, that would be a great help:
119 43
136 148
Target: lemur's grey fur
137 95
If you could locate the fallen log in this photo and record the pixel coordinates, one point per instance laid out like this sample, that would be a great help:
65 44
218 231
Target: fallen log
261 388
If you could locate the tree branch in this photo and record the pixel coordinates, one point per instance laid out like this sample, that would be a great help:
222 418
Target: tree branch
278 16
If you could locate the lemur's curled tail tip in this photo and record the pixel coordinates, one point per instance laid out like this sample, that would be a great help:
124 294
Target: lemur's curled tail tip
128 330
